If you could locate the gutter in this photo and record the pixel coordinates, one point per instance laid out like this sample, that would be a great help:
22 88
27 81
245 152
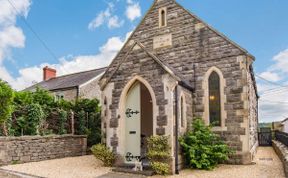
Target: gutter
176 131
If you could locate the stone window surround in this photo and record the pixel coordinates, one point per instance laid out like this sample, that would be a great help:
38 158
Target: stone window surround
222 95
182 118
160 16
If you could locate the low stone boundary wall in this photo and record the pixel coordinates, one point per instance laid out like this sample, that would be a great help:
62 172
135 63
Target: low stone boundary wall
282 152
24 149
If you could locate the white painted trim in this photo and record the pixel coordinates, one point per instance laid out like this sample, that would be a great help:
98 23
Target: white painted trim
91 80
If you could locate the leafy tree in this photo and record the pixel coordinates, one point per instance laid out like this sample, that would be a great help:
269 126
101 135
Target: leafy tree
6 98
202 148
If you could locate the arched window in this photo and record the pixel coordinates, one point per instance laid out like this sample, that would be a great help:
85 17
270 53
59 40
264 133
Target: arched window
162 17
214 100
182 112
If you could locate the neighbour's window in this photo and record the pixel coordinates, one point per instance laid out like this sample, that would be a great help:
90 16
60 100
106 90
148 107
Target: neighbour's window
59 97
214 100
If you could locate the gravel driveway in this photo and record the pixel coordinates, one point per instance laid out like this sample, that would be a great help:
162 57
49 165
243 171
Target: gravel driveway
74 167
267 165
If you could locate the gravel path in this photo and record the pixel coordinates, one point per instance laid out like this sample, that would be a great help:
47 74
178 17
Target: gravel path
268 165
74 167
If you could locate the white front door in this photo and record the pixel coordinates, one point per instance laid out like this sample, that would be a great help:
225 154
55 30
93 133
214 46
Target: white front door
132 123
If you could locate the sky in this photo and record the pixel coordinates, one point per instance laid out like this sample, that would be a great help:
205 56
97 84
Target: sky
73 36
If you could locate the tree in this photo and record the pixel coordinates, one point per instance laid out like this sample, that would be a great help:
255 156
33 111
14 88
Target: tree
6 103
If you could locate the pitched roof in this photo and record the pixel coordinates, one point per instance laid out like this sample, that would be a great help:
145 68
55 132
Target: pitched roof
68 81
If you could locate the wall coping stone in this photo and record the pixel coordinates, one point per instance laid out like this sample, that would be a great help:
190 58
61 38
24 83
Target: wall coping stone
282 152
36 137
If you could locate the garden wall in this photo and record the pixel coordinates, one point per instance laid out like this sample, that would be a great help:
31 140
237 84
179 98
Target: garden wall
37 148
282 152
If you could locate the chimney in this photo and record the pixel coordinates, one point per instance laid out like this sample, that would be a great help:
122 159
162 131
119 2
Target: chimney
48 73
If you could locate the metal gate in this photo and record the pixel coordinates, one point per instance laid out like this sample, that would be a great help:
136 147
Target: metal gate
265 137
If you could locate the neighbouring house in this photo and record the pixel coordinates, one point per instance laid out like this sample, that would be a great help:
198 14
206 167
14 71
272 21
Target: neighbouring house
175 67
284 124
71 87
277 125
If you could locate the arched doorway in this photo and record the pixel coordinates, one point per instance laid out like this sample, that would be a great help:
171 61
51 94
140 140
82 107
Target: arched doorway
138 121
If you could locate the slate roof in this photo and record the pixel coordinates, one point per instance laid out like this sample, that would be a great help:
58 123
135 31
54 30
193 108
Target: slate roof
68 81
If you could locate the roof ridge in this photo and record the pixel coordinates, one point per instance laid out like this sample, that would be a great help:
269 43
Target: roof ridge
75 73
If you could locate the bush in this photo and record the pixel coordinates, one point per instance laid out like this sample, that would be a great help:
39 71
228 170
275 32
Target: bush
101 152
62 121
94 130
160 168
6 98
202 148
159 154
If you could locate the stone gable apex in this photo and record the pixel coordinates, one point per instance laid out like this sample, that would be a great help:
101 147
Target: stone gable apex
201 24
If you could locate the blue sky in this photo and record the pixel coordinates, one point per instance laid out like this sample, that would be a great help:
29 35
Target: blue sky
259 26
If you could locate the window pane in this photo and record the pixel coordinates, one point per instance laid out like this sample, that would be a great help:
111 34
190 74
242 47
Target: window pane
214 100
163 18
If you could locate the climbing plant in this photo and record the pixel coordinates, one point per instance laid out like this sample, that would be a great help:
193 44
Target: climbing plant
159 154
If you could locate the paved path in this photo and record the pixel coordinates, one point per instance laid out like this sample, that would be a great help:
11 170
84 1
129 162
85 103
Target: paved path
120 175
267 165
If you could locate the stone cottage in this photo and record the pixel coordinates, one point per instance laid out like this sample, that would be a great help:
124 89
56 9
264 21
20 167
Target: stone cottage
71 87
175 67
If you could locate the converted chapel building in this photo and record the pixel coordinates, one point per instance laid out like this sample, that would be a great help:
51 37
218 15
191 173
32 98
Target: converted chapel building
175 67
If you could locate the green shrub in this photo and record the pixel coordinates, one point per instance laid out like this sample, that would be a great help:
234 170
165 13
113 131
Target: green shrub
202 148
81 126
6 98
94 129
160 168
62 121
104 154
159 154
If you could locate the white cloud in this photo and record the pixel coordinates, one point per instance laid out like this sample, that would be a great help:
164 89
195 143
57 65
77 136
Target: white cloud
99 19
133 10
273 101
69 64
106 17
114 22
271 76
10 35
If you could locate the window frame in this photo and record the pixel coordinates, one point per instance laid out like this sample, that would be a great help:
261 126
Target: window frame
160 19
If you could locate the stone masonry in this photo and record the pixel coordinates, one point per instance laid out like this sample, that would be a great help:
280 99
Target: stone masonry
38 148
196 48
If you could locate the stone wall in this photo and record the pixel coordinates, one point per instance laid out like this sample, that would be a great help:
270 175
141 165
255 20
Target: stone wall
37 148
253 114
282 152
91 90
69 94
